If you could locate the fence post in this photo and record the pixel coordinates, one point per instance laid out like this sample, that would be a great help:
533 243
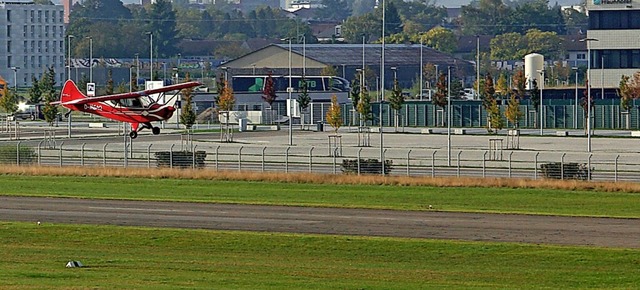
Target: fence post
61 144
193 158
82 154
311 159
458 164
408 163
149 156
562 166
262 165
510 154
39 152
433 163
218 147
484 164
104 155
335 153
286 160
589 167
535 167
615 170
240 158
18 153
358 160
171 156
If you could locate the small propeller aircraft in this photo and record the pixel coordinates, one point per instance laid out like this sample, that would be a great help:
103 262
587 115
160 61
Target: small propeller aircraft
137 108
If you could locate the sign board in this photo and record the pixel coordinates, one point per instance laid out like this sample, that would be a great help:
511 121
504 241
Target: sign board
91 89
293 110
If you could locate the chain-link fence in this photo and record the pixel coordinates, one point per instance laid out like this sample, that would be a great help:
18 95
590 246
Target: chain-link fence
351 160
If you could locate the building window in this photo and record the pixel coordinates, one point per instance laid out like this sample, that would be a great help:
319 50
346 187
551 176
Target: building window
8 31
24 61
614 19
33 46
46 31
32 18
39 45
9 61
40 16
24 45
581 56
33 61
8 15
9 46
46 16
33 31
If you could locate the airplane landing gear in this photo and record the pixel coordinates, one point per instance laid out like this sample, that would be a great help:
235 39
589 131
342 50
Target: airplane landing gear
133 134
155 130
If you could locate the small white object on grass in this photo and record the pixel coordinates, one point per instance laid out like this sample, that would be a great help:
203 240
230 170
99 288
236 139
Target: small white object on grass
38 222
430 207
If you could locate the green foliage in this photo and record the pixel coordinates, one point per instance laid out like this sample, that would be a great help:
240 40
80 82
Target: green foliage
35 93
513 112
397 99
47 85
337 10
441 39
187 115
303 98
364 105
163 26
109 88
535 95
624 92
495 117
9 155
508 46
329 71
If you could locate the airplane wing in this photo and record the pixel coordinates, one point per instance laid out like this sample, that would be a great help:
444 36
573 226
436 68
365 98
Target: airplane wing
132 94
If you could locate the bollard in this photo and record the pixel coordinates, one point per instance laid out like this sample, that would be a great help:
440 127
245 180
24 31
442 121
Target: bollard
311 159
240 158
263 149
408 162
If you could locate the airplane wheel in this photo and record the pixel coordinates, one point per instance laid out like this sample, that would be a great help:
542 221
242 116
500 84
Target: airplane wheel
133 134
155 130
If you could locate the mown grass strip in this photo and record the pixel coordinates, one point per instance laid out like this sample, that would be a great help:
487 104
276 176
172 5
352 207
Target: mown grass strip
34 256
467 199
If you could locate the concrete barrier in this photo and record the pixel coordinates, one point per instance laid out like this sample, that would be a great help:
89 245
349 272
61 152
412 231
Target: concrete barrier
426 131
459 131
562 133
635 133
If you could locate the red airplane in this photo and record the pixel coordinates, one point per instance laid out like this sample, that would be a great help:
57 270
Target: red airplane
137 108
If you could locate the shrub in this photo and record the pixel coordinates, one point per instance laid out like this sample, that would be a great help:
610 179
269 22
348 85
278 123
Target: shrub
557 170
367 166
180 159
8 155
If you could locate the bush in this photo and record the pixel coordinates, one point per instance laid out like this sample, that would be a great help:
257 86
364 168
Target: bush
557 170
180 159
367 166
8 155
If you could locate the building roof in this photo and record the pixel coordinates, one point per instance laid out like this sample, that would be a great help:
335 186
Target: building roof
573 43
351 54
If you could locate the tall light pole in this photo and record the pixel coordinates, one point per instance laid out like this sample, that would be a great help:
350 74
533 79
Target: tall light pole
382 89
421 74
90 58
164 71
602 76
540 106
150 55
289 91
137 69
477 94
15 77
588 82
69 37
449 116
575 104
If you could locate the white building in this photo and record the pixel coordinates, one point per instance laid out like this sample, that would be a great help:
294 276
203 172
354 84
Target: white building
31 40
613 40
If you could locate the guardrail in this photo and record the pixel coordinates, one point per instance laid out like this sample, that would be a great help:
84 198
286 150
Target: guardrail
415 162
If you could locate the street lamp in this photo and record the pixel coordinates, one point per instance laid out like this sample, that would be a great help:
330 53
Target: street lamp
150 55
477 94
541 71
449 116
90 59
137 69
15 77
69 56
602 76
421 74
289 91
575 104
382 90
164 71
588 82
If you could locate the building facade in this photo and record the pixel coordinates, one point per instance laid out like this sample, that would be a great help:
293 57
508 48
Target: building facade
31 40
613 40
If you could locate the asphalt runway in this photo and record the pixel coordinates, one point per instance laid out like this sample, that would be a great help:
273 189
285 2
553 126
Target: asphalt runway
600 232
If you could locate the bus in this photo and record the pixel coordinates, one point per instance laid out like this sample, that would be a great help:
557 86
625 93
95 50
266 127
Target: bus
255 83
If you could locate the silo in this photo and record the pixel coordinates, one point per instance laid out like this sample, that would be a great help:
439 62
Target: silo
533 63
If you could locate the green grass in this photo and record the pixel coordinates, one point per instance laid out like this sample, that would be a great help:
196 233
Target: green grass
34 256
468 199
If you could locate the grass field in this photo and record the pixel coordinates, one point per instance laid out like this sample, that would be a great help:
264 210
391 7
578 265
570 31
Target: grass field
468 199
34 256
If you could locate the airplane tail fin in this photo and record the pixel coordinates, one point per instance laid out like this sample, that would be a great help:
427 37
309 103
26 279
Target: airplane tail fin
70 92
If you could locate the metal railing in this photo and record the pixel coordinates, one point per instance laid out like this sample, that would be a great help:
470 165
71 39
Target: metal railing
414 162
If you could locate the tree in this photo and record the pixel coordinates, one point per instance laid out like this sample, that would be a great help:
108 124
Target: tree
35 93
440 97
109 87
546 43
303 98
338 10
329 71
441 39
396 101
334 116
520 84
163 27
502 88
535 95
187 115
8 100
225 104
513 112
490 103
47 85
586 102
508 46
269 91
364 105
495 117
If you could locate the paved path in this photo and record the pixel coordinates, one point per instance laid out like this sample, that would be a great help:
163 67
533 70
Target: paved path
602 232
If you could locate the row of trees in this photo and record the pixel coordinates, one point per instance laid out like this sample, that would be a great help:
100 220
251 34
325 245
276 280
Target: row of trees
42 90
